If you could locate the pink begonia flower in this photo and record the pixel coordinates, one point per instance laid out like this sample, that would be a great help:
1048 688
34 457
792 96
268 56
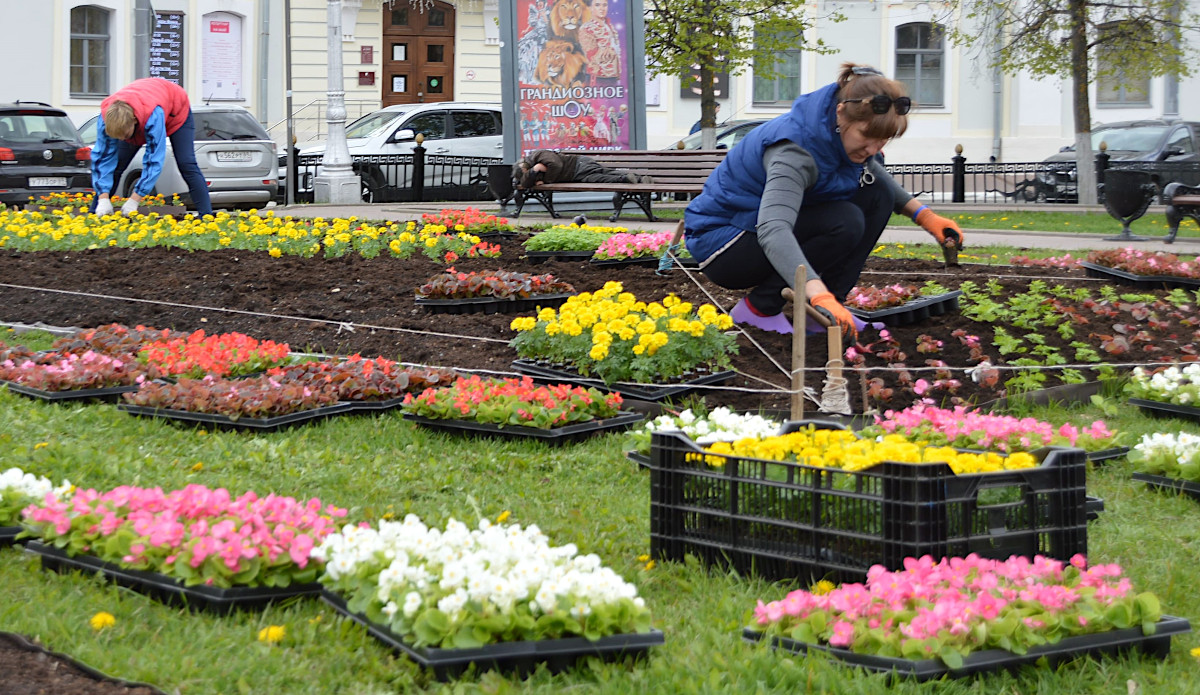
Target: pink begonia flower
843 634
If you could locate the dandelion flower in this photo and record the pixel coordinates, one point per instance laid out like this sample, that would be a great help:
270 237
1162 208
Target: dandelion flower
102 620
272 634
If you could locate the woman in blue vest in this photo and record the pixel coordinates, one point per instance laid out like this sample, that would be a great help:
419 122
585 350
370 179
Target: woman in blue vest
806 189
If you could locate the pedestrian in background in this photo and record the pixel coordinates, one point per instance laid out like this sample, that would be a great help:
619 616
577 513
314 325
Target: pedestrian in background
696 126
146 112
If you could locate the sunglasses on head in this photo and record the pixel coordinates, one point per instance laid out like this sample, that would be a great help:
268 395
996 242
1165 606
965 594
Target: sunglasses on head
881 102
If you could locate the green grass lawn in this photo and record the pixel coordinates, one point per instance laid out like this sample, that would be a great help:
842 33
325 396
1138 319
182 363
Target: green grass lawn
587 494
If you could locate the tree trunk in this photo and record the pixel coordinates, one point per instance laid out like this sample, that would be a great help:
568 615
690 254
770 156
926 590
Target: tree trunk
1085 161
708 109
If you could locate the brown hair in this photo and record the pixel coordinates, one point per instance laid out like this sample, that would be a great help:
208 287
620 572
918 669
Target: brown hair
868 82
119 120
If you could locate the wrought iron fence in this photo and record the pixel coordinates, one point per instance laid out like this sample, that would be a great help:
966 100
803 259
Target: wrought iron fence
960 181
413 177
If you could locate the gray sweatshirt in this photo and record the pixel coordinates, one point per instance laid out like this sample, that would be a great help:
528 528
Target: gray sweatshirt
791 170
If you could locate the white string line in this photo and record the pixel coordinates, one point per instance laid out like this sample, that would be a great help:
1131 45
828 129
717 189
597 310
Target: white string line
340 324
688 273
990 276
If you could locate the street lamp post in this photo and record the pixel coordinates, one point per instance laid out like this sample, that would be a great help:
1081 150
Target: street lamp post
337 183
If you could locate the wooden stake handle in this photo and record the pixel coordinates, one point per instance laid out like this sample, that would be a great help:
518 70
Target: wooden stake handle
798 337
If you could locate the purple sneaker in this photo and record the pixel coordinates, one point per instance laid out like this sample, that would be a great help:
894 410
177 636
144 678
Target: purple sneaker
742 313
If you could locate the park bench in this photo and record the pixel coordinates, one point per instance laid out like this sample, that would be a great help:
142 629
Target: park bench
672 171
1181 201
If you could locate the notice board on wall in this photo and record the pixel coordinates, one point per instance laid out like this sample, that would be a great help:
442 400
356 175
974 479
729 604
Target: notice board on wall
166 47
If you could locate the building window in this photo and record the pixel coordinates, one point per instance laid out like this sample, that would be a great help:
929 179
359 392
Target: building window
784 89
1116 89
920 60
89 51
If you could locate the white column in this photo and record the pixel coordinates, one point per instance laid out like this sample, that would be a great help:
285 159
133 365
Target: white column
337 183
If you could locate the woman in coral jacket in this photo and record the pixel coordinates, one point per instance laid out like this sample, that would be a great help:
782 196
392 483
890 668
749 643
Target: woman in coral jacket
145 112
807 189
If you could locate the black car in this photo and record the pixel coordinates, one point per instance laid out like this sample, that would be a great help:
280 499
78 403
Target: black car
1171 149
40 153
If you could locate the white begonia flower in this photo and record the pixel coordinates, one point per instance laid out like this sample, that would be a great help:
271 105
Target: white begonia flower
390 609
411 603
687 417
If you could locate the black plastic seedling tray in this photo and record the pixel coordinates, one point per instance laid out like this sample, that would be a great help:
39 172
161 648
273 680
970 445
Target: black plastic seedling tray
914 311
537 257
109 393
8 534
491 305
1144 282
261 424
1163 483
546 373
1114 642
559 435
1160 409
168 590
1105 455
512 657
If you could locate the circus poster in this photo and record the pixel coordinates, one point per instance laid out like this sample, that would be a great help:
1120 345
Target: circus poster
573 74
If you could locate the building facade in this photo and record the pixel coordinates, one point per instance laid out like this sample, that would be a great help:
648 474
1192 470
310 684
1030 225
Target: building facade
72 53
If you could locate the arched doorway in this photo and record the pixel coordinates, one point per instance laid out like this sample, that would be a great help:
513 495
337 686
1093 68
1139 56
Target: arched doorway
418 53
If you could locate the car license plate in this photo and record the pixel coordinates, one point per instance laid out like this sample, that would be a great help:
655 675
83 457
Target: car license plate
43 181
240 156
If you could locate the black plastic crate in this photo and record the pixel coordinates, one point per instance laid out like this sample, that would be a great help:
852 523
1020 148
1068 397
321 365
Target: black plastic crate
910 312
782 520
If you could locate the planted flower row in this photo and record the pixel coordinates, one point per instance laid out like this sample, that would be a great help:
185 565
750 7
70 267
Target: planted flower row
500 284
464 588
196 535
952 608
251 231
969 429
612 335
1145 263
19 489
843 449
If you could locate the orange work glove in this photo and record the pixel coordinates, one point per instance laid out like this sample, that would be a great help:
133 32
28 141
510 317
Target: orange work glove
825 303
944 230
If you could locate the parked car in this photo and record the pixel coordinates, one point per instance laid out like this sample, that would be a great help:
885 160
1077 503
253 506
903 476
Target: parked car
459 129
729 134
236 156
1126 141
40 153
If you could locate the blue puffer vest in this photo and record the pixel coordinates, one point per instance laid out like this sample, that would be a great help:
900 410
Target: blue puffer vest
729 203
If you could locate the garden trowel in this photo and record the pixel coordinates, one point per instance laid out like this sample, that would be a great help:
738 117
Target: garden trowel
951 246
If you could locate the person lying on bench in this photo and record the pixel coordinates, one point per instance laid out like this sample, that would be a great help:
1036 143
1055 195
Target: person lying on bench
547 166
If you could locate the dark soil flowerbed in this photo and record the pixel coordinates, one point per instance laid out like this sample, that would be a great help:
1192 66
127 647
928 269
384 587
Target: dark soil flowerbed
344 305
25 669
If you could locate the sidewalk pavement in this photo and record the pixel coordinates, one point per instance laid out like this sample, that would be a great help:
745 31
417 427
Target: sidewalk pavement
633 218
